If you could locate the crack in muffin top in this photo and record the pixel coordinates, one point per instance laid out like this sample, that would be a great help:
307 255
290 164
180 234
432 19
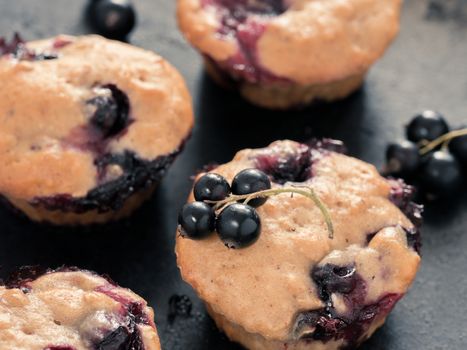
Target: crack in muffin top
97 97
273 276
306 41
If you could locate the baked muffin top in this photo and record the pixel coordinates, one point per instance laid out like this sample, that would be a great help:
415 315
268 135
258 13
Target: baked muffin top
68 103
305 41
69 309
295 269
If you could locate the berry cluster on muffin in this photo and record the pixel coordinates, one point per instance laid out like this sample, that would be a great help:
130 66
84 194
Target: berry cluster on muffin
301 287
72 309
102 123
288 53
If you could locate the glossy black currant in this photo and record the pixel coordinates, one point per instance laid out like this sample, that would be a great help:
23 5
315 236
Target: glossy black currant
197 220
113 18
211 187
402 158
427 126
458 147
238 226
250 181
442 174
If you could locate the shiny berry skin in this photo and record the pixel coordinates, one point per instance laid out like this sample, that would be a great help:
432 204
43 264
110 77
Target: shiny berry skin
441 174
428 126
238 226
113 18
197 220
250 181
402 158
211 187
458 147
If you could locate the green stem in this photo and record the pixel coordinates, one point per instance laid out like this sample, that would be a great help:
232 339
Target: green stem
304 191
445 139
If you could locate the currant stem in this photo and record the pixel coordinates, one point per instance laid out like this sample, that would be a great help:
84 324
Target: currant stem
442 140
304 191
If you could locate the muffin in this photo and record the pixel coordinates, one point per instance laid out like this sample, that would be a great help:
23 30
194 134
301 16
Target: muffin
298 286
71 309
89 127
289 53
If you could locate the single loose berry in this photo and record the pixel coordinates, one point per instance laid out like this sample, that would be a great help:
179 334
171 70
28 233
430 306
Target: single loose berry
402 158
197 220
441 174
113 18
211 187
427 126
238 226
250 181
458 147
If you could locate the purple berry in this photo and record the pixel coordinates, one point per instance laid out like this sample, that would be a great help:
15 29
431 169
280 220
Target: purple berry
238 226
402 158
441 174
197 220
211 187
427 126
250 181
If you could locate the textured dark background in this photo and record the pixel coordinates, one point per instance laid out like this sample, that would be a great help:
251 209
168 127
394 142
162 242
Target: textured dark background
425 68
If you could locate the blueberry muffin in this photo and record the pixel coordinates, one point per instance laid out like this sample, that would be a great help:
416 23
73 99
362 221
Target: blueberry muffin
298 287
71 309
287 53
89 127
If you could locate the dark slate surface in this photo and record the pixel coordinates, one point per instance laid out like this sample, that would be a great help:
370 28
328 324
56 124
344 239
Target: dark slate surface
426 68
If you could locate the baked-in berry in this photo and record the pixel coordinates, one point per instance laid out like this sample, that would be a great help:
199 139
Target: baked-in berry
238 225
113 18
197 220
112 108
211 187
249 181
290 167
402 158
427 126
458 147
441 174
334 279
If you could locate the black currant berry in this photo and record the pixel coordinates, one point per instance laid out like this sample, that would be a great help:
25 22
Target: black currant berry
250 181
441 174
458 148
197 220
427 126
402 158
238 225
211 187
113 18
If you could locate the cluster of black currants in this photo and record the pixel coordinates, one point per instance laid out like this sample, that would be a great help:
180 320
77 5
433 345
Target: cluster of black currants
433 155
113 19
238 225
